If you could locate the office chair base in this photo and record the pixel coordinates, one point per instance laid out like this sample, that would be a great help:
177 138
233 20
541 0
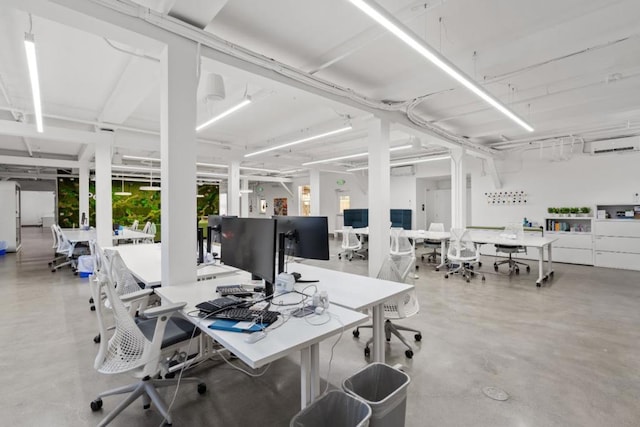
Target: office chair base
147 389
465 270
513 265
390 329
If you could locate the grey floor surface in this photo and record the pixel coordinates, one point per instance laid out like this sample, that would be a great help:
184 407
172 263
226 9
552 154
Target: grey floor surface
567 354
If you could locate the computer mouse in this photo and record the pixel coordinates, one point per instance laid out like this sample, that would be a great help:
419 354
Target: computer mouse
255 336
296 276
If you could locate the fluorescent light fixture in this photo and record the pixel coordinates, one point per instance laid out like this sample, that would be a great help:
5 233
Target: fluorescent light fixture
149 188
148 159
300 141
246 101
212 165
32 62
247 168
246 191
200 196
401 31
405 162
219 165
353 156
135 168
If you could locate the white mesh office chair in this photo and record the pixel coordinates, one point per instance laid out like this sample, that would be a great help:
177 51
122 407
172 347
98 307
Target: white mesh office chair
463 254
135 224
351 244
68 250
433 245
511 231
396 268
136 347
56 241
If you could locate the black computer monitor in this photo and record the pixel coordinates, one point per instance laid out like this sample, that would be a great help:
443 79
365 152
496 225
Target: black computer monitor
250 245
214 229
304 237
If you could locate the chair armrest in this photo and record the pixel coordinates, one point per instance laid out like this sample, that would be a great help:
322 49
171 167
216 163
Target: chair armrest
136 295
163 309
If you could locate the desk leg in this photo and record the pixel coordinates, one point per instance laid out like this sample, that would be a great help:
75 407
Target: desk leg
378 333
549 262
541 275
305 370
314 371
443 254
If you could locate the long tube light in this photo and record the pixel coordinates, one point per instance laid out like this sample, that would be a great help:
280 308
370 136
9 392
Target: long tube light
146 159
206 165
246 101
300 141
405 162
32 62
382 17
353 156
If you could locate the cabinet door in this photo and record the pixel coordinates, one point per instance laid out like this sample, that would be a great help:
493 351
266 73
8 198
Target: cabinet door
617 244
617 260
578 241
622 228
573 256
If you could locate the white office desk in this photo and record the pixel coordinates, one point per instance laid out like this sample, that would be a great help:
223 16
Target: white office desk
296 334
355 292
144 261
493 237
77 235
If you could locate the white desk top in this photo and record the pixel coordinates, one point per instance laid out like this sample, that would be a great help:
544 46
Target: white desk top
145 260
348 290
412 234
493 237
295 334
75 235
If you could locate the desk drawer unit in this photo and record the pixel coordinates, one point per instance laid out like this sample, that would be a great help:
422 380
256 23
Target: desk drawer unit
573 255
617 244
625 261
621 228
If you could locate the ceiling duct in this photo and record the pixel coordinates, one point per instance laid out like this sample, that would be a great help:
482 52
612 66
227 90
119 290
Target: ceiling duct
618 145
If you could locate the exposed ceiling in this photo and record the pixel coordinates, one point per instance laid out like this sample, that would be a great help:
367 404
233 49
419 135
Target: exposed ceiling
570 68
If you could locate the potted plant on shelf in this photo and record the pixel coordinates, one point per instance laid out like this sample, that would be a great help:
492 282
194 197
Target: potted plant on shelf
552 211
574 211
564 211
585 211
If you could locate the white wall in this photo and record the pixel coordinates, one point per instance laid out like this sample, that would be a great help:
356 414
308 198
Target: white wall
35 205
583 180
403 195
270 191
355 186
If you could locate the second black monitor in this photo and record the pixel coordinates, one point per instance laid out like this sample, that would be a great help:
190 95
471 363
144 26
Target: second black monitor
305 236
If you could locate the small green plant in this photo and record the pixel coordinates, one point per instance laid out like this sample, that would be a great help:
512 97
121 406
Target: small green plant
574 210
552 210
565 210
585 210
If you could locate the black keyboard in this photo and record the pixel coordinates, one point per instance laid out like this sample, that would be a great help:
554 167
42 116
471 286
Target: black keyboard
235 290
246 315
217 304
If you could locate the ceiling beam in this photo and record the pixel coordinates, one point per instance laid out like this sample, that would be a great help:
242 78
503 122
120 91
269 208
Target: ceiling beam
39 161
51 133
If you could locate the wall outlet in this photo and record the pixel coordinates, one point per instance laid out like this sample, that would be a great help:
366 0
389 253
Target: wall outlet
636 197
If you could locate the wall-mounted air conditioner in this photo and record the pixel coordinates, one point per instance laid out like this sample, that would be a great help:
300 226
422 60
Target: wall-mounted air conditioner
403 170
618 145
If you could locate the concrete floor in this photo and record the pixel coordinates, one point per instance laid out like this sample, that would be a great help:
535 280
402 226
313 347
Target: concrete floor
567 354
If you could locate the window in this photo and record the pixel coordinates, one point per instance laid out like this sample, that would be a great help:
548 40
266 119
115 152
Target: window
345 203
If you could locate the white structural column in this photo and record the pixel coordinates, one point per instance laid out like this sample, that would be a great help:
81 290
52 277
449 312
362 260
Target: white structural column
458 189
314 183
233 189
379 194
379 204
244 198
83 193
178 88
104 206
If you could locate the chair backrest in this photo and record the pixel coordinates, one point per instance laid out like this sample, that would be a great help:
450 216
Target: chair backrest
513 230
400 243
461 245
127 348
122 279
55 236
135 224
64 245
152 228
350 239
436 226
396 269
147 227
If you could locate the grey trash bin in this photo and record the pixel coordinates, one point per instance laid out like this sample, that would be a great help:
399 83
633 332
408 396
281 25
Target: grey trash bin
385 389
334 409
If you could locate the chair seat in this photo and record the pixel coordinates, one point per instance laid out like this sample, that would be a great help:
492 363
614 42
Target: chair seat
177 330
509 248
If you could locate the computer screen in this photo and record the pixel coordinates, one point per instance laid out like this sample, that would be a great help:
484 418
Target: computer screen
356 218
214 229
305 236
250 245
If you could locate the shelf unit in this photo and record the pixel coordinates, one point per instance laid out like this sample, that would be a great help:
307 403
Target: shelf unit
10 215
617 239
575 239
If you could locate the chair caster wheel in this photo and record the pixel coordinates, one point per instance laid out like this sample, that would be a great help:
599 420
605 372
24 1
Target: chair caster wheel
92 308
495 267
75 273
91 300
367 352
517 271
96 405
446 276
409 354
170 375
479 264
147 406
538 285
418 337
339 257
356 333
422 258
437 269
468 280
96 339
202 388
53 270
483 278
528 269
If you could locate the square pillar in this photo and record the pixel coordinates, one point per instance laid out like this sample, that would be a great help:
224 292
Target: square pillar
244 198
458 189
178 109
104 202
233 189
314 183
379 194
83 193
